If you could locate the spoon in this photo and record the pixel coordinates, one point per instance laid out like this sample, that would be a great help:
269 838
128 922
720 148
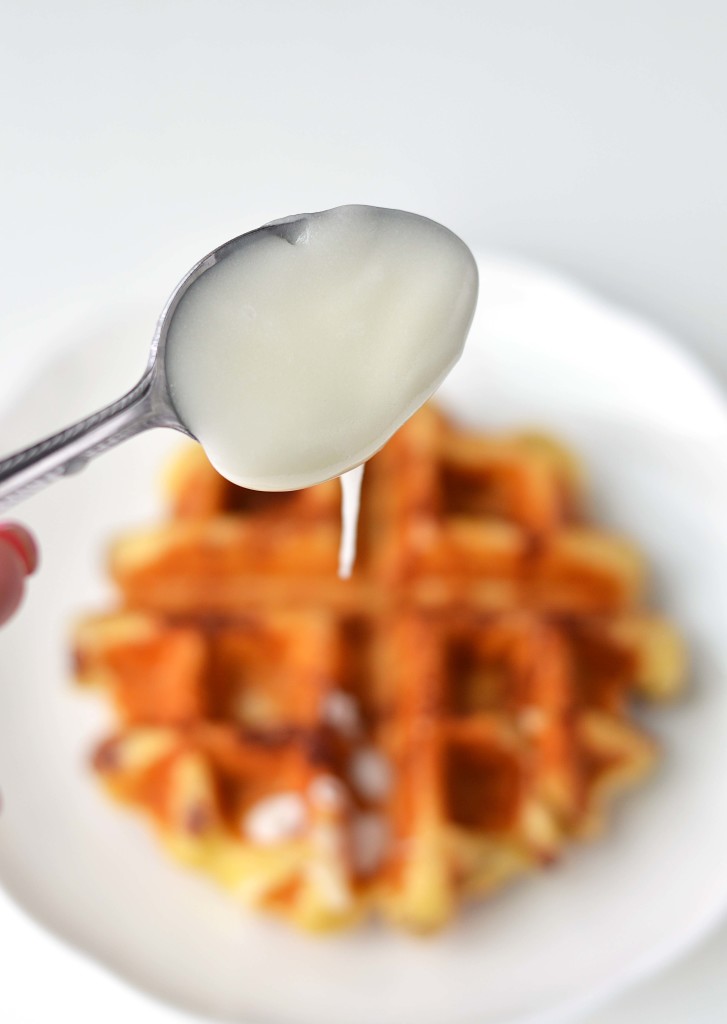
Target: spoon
307 343
148 404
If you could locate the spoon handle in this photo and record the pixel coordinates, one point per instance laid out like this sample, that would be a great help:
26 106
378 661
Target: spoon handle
68 451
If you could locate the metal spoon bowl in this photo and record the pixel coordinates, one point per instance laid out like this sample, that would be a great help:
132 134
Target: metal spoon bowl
148 404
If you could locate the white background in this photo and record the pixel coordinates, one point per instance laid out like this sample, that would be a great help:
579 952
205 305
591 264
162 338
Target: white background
589 134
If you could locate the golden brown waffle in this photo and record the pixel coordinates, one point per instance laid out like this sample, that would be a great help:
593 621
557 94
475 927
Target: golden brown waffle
448 718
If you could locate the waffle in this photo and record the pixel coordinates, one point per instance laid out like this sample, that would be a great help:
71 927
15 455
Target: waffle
452 716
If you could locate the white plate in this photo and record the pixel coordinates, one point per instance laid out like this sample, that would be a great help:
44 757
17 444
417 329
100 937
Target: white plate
653 430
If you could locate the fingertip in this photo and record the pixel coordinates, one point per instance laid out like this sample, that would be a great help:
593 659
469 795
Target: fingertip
12 580
23 543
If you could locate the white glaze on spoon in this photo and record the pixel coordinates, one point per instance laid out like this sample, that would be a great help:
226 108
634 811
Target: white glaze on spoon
310 341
